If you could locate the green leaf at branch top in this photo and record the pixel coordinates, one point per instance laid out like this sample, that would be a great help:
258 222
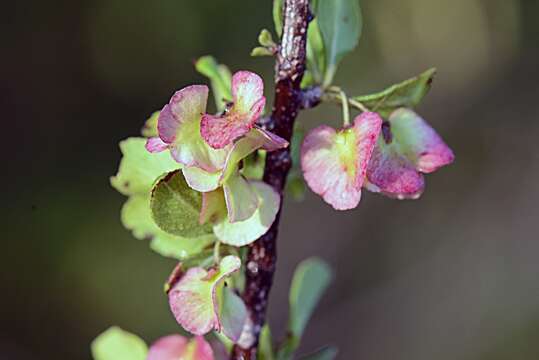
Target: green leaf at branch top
220 78
117 344
326 353
261 51
408 93
176 207
340 25
265 39
278 16
316 54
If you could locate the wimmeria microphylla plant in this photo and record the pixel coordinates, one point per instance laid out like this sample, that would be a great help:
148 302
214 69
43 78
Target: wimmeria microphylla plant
206 187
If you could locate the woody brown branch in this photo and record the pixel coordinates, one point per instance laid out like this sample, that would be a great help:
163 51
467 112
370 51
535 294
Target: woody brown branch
262 254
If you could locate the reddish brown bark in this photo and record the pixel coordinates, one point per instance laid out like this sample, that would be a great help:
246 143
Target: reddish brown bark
262 254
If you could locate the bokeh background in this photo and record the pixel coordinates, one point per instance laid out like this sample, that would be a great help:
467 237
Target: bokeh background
453 275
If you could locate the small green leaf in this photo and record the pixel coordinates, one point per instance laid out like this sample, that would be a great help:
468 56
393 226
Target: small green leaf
265 39
340 25
150 126
139 169
176 207
278 16
117 344
220 78
311 278
408 93
137 217
326 353
266 344
261 51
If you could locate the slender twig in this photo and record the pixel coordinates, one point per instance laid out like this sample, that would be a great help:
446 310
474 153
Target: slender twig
335 95
345 109
262 255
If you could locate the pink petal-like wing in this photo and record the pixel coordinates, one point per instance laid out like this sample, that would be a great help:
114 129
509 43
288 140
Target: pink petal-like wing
419 141
247 91
248 103
170 347
255 139
334 163
179 126
155 145
219 131
186 105
177 347
193 299
190 300
203 350
392 174
323 171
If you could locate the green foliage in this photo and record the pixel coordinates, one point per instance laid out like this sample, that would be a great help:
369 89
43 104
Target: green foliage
137 172
326 353
316 54
139 168
176 207
265 39
268 46
311 278
278 16
340 26
261 51
137 217
220 78
117 344
408 93
150 126
266 344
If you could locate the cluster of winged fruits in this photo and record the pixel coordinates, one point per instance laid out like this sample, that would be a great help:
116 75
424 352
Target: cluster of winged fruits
195 189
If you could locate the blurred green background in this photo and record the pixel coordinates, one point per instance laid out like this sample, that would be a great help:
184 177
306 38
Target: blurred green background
450 276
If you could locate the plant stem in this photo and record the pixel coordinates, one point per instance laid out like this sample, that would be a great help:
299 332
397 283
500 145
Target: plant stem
345 109
336 95
262 254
